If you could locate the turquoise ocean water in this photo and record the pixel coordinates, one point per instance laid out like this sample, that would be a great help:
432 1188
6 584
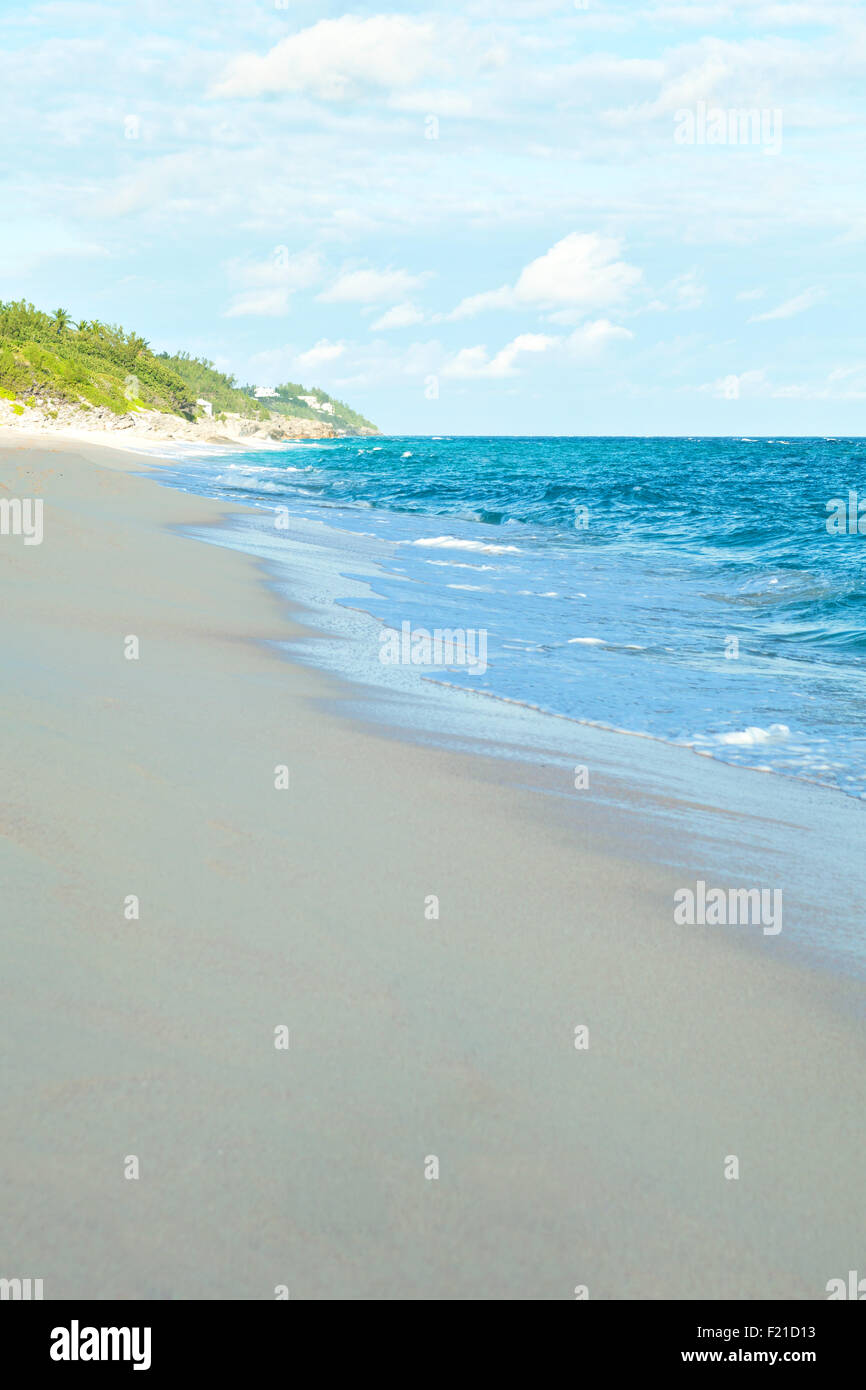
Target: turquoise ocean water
686 589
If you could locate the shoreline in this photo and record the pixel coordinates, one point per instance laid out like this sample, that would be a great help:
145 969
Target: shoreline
147 448
358 569
145 444
410 1036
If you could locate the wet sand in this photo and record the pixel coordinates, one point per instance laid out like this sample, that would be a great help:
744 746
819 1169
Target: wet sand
410 1036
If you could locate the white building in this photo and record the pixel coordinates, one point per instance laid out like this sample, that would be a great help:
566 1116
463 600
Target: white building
265 393
315 404
206 407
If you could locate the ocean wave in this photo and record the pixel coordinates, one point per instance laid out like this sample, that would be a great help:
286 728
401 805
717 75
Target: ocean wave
238 485
685 543
253 469
454 543
458 565
754 735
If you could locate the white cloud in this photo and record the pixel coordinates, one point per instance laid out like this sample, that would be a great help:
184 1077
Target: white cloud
841 384
488 299
791 306
475 362
687 291
400 316
777 15
271 304
269 284
593 337
335 58
732 387
854 379
371 286
380 363
765 72
439 101
757 293
322 351
294 272
582 271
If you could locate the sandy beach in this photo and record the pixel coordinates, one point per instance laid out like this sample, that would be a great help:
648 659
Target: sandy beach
411 1036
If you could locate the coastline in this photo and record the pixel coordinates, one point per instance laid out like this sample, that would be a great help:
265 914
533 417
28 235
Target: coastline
148 430
409 1037
736 651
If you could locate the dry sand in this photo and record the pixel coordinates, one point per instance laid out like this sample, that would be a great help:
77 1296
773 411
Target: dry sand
409 1037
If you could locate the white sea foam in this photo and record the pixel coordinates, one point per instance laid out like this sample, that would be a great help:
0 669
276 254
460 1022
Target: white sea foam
243 486
454 543
749 738
255 468
458 565
588 641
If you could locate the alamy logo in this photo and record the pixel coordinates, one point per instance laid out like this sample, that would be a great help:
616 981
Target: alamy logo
76 1343
443 647
20 1289
22 516
713 125
855 1288
721 907
846 517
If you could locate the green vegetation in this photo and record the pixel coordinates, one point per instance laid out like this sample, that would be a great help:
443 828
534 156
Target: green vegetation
99 364
288 402
96 364
204 382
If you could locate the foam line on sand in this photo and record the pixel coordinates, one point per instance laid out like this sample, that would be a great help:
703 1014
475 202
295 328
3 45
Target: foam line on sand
410 1036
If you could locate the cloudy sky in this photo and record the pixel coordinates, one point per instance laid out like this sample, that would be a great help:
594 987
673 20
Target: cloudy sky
506 216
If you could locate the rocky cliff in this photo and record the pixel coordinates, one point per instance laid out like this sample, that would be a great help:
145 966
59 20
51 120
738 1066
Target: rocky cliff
44 414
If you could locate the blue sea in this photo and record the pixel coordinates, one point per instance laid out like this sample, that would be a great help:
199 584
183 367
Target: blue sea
684 589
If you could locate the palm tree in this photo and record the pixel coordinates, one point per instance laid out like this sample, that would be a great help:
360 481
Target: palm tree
60 320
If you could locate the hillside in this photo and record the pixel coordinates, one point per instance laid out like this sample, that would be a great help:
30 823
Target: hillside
310 403
50 364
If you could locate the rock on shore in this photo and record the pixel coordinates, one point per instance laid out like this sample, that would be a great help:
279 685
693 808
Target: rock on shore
51 416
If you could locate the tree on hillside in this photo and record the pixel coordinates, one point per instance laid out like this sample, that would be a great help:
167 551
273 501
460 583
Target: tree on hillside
60 320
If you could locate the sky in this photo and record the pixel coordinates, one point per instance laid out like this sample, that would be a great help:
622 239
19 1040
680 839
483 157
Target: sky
498 217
